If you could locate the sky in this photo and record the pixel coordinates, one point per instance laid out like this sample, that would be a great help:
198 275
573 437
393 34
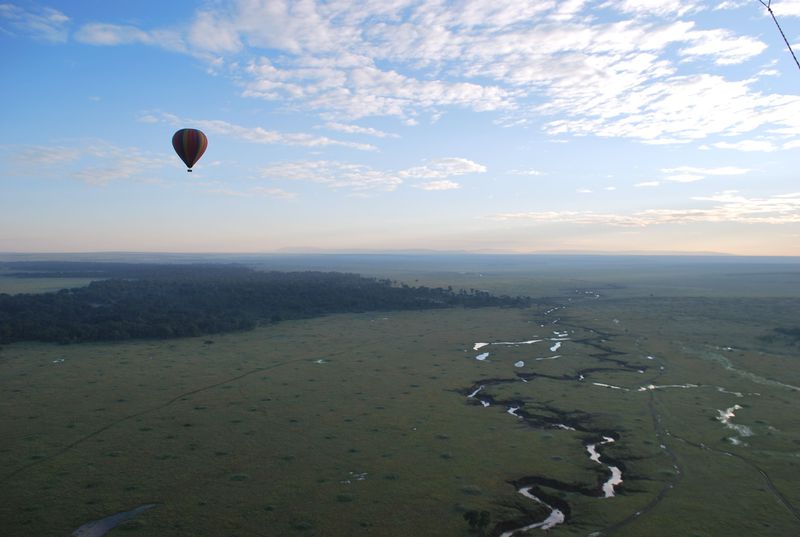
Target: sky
482 125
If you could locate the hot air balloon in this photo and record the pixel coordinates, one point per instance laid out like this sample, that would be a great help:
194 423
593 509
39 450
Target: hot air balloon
189 144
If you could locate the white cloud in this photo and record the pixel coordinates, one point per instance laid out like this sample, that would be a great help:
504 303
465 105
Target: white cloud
334 174
748 145
357 129
94 162
516 50
691 174
723 47
214 35
112 163
646 184
786 8
445 167
676 109
726 206
683 178
556 64
44 23
101 34
732 4
439 185
794 144
531 171
111 34
30 156
148 118
361 177
567 9
571 217
584 191
353 87
263 136
768 72
258 135
656 7
722 170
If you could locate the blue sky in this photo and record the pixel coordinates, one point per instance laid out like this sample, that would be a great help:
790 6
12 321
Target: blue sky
484 125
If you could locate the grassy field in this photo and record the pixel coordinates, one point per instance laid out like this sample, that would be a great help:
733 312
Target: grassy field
14 285
360 425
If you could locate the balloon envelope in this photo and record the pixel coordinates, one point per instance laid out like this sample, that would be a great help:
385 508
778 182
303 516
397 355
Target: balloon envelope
189 144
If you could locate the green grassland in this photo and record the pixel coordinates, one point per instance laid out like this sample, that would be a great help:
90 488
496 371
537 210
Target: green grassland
360 424
15 286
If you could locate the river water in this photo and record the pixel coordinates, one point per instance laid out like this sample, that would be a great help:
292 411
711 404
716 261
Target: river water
556 516
616 473
98 528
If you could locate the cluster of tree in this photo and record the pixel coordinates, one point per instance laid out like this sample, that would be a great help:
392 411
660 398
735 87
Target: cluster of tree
478 521
190 300
793 333
783 335
790 334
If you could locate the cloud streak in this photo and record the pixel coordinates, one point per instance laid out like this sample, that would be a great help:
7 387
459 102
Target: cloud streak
726 206
93 162
357 129
721 170
257 135
334 174
439 185
358 177
113 34
44 23
445 167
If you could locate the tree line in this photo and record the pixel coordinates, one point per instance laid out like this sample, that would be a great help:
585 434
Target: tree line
165 301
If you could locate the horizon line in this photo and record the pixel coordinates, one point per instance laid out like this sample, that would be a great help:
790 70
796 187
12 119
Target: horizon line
399 251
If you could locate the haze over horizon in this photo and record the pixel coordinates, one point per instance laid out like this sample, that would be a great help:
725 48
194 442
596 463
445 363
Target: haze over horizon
631 126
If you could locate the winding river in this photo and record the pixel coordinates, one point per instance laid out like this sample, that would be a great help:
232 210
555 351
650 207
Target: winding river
554 418
556 515
98 528
616 473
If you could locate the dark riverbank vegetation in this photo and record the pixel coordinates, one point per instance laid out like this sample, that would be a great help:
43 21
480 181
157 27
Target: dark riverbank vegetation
137 301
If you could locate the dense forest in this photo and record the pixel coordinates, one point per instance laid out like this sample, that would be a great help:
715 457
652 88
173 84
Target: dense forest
130 301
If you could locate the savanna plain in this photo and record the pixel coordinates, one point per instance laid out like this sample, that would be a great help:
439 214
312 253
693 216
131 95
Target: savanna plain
635 396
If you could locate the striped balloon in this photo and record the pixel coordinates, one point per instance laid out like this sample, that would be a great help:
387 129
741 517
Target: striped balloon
189 144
